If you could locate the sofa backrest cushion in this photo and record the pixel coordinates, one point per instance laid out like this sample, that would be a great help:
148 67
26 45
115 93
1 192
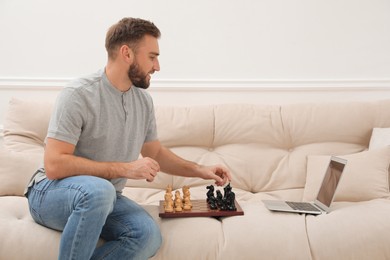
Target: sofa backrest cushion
365 177
380 137
16 170
265 146
26 124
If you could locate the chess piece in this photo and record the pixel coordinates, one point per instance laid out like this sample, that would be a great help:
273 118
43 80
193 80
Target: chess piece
211 199
168 200
177 196
187 204
220 201
178 208
169 188
178 202
168 195
229 197
213 203
186 192
169 206
210 193
226 190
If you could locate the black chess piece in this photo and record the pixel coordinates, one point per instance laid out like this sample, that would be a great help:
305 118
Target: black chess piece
230 201
229 197
210 193
220 201
226 190
212 203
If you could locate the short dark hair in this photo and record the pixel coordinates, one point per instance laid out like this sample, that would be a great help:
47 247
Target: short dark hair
129 31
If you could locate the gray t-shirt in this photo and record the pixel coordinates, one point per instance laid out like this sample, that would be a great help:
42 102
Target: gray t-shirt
102 122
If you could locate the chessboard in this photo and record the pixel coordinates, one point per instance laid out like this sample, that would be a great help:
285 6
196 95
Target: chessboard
200 208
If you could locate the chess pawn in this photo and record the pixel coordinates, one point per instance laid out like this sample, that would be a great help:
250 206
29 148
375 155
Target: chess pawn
186 193
178 206
187 204
177 195
178 201
169 206
168 197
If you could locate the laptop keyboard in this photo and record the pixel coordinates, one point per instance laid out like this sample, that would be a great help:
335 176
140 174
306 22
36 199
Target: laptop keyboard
302 206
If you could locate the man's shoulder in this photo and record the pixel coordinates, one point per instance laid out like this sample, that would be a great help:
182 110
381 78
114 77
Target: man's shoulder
86 82
83 88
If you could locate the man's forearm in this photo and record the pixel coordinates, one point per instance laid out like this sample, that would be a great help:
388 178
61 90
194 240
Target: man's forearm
67 165
175 165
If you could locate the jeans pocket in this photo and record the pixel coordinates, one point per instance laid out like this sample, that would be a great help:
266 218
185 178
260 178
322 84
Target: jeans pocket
35 215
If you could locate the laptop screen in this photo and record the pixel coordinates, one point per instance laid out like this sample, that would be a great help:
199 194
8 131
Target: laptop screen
330 182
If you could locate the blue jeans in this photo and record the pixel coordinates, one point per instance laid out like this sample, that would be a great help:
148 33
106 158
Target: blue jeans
85 208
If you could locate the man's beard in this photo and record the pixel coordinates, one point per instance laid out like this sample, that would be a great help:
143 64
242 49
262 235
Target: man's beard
136 76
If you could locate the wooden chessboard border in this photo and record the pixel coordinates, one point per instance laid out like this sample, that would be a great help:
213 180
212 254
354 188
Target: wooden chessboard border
195 212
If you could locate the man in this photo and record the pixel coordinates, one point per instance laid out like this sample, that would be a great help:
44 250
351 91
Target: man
99 127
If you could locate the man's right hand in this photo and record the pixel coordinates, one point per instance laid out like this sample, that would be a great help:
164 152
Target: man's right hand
144 168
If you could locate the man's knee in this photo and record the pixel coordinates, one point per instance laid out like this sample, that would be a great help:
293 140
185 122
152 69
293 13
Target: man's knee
154 239
148 237
97 194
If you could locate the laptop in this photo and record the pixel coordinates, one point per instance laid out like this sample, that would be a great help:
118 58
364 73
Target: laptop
324 197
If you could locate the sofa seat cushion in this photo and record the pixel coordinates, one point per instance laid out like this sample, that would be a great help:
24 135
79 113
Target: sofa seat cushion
22 237
262 234
184 238
258 233
353 230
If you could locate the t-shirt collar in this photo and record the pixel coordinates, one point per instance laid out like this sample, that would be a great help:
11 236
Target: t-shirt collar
111 87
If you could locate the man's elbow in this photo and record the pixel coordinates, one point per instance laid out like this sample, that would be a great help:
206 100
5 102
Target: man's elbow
52 171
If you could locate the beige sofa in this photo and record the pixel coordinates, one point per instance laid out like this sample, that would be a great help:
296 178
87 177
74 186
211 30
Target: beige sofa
273 151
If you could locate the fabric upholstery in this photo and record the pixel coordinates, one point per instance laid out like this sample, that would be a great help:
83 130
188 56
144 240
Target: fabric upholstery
16 170
273 152
26 123
380 137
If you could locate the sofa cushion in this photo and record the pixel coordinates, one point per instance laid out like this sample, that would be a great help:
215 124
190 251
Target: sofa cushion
365 177
25 125
380 137
16 170
262 234
347 122
187 126
353 230
22 238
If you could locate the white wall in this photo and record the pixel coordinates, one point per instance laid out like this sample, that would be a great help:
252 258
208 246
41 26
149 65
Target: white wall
271 50
207 39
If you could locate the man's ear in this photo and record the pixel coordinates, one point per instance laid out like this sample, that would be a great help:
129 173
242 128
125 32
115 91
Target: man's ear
127 54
